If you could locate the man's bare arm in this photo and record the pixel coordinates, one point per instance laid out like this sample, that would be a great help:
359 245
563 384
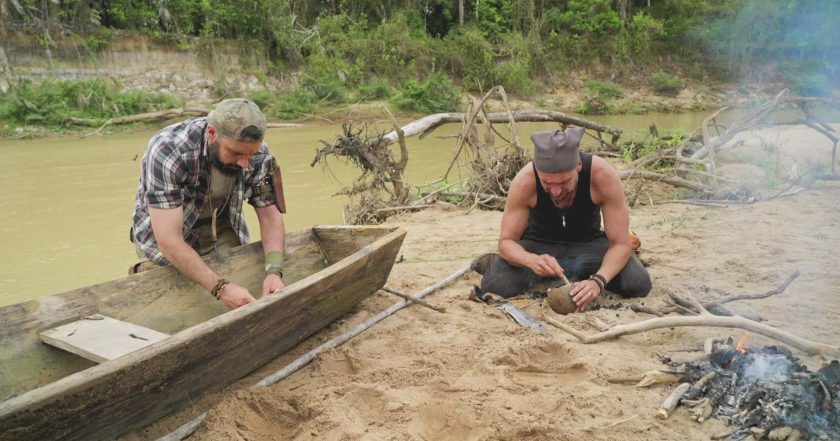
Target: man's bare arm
273 233
167 225
616 220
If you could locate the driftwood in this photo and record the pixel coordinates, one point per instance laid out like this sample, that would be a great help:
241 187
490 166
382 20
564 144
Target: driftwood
381 185
426 125
716 308
649 378
673 180
704 319
671 402
152 117
140 117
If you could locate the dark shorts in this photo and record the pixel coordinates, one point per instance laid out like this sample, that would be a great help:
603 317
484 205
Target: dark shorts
579 259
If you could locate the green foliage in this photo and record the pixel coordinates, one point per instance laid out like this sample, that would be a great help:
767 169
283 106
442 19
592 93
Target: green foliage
285 105
592 105
436 94
604 90
96 41
588 17
339 46
465 54
598 97
664 83
492 18
812 85
635 43
375 90
51 103
669 139
513 65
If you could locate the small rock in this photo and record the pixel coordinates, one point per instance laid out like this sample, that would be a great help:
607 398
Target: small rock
780 433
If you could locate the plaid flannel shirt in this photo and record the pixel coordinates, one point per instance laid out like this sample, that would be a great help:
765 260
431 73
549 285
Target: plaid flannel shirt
175 172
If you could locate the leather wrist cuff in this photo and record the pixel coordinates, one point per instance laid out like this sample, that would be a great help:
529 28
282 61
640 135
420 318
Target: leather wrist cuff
220 285
600 280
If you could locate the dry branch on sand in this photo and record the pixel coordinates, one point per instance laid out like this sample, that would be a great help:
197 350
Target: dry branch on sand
705 318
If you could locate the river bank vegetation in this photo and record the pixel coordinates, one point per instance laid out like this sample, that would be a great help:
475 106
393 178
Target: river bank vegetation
423 55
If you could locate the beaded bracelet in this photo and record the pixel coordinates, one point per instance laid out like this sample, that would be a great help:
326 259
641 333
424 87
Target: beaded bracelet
600 280
220 285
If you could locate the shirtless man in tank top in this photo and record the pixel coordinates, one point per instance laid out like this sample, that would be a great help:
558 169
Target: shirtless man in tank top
551 226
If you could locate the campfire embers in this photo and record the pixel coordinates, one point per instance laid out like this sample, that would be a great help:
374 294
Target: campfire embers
764 393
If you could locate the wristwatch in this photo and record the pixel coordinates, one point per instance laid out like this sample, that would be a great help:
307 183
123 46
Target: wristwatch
274 268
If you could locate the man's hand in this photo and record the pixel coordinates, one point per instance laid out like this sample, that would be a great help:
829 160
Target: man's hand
272 284
545 265
234 296
584 292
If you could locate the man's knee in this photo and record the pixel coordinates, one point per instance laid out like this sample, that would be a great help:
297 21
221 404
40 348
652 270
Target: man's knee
640 287
633 281
503 279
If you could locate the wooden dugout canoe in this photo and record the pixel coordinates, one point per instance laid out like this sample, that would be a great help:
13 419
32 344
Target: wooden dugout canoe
47 393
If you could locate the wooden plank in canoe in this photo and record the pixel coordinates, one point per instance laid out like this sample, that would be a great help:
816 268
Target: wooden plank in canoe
99 338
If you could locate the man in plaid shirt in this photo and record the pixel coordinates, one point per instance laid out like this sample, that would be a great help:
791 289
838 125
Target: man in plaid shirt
194 178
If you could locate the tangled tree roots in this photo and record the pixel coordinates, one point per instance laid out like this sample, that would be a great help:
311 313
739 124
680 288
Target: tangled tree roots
380 185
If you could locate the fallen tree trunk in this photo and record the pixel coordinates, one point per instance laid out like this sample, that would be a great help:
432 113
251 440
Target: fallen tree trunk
154 116
428 124
673 180
144 117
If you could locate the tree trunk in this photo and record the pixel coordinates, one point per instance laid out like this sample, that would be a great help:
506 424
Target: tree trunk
460 12
622 6
5 67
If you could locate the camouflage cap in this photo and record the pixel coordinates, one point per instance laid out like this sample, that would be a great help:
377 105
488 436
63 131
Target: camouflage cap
557 151
232 116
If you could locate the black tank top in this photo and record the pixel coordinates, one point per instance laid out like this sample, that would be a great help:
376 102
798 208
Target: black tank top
580 222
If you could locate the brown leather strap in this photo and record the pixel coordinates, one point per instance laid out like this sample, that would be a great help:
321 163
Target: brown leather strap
277 183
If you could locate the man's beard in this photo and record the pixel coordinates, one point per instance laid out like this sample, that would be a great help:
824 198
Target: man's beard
227 170
565 201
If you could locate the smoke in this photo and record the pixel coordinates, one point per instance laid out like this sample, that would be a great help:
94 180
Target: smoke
792 41
767 367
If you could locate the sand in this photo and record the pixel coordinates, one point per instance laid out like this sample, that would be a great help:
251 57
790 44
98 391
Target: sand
473 374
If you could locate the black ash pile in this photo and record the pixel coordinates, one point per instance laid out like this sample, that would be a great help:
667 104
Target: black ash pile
763 393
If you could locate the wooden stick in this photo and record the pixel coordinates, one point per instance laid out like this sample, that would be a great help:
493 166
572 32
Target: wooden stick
807 346
405 207
734 297
650 378
190 427
414 300
671 402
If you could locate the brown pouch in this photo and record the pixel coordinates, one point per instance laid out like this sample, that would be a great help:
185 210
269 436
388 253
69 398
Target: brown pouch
277 186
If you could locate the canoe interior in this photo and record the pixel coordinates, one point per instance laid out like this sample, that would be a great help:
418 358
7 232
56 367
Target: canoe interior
160 299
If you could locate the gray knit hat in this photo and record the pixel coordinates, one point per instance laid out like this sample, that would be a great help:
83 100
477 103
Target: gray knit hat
232 116
556 151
